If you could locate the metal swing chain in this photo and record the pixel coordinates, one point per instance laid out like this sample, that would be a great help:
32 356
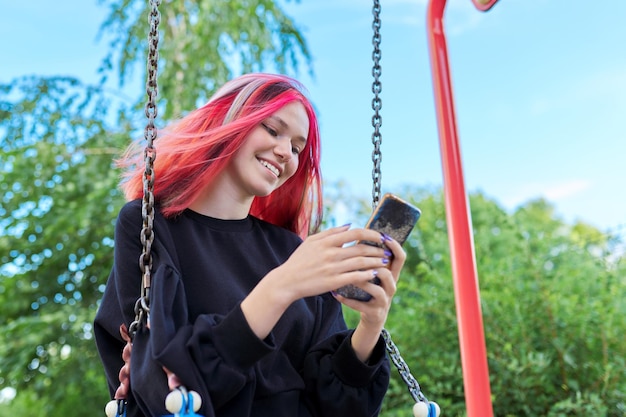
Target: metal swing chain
392 349
376 105
142 307
117 406
403 369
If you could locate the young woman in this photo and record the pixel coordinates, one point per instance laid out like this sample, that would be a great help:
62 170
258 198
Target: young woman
243 308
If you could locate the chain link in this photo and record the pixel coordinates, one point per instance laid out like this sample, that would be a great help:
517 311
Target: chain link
142 307
403 369
376 105
392 349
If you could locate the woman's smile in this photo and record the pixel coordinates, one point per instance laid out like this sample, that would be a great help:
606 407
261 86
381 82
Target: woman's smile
276 171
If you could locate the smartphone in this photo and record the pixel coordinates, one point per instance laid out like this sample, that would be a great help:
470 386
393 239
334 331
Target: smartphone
394 217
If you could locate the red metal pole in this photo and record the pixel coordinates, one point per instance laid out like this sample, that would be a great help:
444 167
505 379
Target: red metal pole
467 296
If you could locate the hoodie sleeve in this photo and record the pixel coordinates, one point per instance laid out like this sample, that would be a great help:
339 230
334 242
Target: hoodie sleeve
337 382
213 355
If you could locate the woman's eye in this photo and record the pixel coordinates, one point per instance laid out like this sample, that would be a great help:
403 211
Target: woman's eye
295 150
269 130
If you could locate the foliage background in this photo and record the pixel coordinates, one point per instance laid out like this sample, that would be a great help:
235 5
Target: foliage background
551 292
552 310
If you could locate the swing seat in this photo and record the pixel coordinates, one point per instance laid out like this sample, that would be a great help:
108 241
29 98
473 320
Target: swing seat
179 402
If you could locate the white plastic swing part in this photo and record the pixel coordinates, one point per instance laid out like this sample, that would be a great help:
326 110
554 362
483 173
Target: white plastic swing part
420 409
175 402
111 409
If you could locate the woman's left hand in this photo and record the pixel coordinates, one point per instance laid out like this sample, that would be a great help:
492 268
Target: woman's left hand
375 311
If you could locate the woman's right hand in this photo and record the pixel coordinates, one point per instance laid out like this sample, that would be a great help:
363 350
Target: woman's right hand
327 261
322 263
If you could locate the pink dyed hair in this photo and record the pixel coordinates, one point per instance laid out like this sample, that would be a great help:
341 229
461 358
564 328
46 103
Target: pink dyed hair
195 149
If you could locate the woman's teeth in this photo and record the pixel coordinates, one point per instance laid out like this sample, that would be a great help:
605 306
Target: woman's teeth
270 167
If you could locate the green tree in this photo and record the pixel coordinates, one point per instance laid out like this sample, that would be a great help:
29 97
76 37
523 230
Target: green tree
204 43
59 186
552 310
551 292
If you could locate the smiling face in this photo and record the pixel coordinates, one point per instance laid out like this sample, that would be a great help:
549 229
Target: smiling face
270 153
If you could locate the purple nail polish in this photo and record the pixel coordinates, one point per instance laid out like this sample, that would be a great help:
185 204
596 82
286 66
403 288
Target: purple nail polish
387 237
388 253
385 261
374 273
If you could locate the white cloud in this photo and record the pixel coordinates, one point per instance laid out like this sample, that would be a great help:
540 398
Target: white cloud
557 192
551 191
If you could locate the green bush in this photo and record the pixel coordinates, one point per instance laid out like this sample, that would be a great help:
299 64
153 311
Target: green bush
553 314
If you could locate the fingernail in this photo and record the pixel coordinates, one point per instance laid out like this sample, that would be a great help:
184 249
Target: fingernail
334 293
347 224
374 273
387 237
385 261
388 253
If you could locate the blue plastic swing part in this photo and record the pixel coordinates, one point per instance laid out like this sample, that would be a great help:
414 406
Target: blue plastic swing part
426 409
115 408
183 403
180 402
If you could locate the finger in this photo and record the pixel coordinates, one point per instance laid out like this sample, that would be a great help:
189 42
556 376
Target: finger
359 234
386 281
363 250
377 282
394 246
398 256
358 278
361 263
329 232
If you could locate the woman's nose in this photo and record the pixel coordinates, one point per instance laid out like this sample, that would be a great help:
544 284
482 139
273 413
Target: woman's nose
283 149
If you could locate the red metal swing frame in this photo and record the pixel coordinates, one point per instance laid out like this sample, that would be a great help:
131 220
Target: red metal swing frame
467 296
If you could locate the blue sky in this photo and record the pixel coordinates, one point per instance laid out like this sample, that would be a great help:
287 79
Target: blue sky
540 92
